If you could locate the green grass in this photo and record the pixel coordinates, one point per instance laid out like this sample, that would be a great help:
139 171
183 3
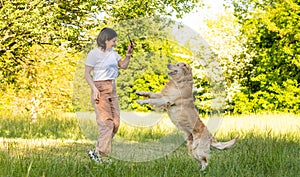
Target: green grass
51 126
269 145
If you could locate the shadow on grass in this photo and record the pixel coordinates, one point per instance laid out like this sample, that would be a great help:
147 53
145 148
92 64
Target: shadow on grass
253 155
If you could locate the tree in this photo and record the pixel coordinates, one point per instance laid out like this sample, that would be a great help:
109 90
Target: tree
272 29
227 42
59 26
25 23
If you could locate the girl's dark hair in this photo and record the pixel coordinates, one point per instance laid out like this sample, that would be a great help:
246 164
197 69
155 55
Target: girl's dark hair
105 34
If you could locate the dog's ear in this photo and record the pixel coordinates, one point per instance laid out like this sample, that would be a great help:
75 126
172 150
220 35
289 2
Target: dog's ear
187 68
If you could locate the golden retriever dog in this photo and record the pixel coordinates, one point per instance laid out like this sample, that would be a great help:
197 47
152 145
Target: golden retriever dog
177 98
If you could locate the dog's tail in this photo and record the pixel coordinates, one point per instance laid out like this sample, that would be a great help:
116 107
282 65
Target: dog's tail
223 145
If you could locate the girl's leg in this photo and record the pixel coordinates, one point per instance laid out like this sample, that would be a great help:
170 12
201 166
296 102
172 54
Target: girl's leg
105 123
104 117
115 114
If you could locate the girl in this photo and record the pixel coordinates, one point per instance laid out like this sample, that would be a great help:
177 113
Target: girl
104 61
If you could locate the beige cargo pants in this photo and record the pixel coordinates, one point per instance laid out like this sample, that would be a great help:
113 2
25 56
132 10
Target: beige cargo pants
107 115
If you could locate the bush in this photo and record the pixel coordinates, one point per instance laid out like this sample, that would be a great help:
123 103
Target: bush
285 98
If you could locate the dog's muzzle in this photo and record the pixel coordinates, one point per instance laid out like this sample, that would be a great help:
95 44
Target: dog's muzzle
173 72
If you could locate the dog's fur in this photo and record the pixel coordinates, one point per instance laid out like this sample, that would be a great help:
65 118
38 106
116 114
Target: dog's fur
177 97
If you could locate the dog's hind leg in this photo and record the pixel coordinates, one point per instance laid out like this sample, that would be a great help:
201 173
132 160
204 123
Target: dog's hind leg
189 139
201 156
199 149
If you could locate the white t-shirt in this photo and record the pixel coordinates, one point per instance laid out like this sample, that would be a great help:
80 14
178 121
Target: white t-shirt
105 65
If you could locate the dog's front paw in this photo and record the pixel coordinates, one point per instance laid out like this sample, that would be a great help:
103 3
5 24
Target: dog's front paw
145 94
141 102
141 93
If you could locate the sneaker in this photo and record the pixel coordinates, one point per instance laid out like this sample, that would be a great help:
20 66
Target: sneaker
94 156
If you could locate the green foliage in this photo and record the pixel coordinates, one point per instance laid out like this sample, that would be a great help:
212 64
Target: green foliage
147 81
81 98
51 22
121 10
37 52
147 71
42 40
44 86
283 98
226 40
272 31
39 56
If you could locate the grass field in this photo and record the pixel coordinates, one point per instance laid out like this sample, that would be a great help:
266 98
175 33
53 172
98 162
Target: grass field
269 145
